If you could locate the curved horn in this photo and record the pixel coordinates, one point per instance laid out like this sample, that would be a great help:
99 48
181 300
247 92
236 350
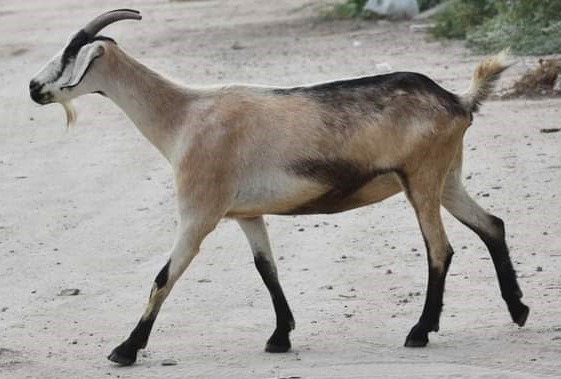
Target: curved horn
101 21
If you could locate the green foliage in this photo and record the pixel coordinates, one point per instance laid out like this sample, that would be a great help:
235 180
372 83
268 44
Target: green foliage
348 9
427 4
527 26
463 16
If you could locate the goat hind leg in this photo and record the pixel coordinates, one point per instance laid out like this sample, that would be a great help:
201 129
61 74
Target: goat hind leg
424 196
256 233
491 231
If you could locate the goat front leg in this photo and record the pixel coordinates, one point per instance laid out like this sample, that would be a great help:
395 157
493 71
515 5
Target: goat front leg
256 233
186 246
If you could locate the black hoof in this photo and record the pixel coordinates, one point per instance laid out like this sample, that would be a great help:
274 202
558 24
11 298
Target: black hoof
519 313
417 337
272 348
278 343
123 354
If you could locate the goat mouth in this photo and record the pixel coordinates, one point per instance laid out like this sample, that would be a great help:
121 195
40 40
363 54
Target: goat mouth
41 98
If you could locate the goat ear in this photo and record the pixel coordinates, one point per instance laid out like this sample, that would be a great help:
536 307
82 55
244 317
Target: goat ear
84 59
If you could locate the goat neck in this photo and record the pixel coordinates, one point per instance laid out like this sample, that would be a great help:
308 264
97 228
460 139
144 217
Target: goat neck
157 106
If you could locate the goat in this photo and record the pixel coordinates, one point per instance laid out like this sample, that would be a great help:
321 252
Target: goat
242 152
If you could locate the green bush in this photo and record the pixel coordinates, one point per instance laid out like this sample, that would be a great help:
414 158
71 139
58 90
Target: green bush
348 9
526 26
463 16
426 4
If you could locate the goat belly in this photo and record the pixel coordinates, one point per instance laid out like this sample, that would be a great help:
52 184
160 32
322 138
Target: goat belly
339 199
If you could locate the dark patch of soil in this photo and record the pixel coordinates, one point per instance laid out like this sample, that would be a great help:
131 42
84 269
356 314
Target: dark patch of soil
543 81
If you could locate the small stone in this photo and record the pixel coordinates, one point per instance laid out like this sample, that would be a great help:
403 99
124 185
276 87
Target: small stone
557 84
169 362
383 67
69 292
388 271
550 130
347 296
539 269
301 229
237 46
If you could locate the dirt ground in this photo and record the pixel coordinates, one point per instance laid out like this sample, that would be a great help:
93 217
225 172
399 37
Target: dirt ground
93 208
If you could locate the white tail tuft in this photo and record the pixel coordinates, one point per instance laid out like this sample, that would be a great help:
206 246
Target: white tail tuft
484 79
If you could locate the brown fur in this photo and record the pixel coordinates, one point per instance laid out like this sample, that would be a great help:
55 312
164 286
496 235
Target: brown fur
243 152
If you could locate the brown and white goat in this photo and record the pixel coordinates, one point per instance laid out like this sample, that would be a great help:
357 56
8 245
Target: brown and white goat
242 152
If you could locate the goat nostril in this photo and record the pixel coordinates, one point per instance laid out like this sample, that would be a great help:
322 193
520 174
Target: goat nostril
35 92
35 86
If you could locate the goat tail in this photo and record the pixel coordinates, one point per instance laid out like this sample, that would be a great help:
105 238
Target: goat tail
484 79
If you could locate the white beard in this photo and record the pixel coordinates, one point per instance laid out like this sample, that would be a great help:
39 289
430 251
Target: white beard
70 114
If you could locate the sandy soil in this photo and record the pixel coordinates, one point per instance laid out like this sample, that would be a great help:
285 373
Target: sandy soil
93 208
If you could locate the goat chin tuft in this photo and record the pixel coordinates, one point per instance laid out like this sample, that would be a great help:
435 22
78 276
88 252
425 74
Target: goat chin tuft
70 114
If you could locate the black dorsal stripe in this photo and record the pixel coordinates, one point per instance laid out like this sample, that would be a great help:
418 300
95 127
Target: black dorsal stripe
378 87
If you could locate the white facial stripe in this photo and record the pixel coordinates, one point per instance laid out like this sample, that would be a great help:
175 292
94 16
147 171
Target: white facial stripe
51 71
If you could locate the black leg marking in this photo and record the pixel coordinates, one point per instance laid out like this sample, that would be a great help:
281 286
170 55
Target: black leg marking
430 318
506 275
162 278
279 342
125 353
